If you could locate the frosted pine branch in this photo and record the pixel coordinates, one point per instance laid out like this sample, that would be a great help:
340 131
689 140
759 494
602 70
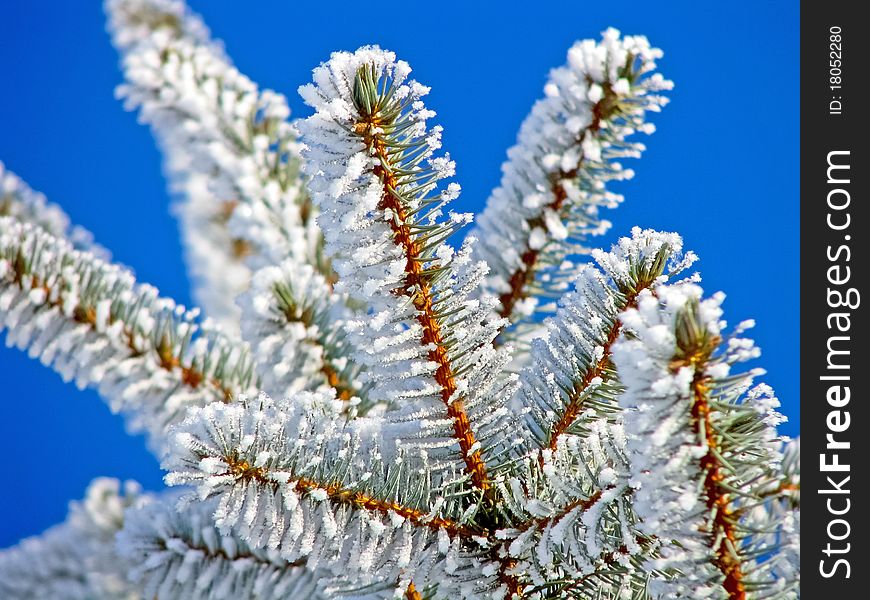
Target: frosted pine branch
75 560
229 151
704 450
554 183
176 554
295 325
19 201
168 553
92 323
369 436
574 517
570 380
293 476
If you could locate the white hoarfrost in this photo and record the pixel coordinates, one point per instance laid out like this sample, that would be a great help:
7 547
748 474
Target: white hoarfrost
666 456
554 183
135 546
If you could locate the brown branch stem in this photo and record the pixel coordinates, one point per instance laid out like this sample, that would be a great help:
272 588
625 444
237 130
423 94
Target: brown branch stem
696 352
411 593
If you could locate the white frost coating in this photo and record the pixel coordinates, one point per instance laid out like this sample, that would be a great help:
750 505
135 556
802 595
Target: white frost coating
305 500
18 200
230 154
784 511
369 262
75 560
683 412
665 455
554 182
148 357
627 466
210 449
179 554
294 324
389 250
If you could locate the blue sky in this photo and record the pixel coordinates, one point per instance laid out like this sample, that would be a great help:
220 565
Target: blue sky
722 169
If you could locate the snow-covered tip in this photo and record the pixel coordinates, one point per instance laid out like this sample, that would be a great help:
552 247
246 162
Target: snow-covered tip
556 178
657 372
647 257
369 155
369 91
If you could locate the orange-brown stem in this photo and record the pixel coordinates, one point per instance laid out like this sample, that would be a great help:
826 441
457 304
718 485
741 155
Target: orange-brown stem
575 404
418 289
577 395
239 247
525 274
782 488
